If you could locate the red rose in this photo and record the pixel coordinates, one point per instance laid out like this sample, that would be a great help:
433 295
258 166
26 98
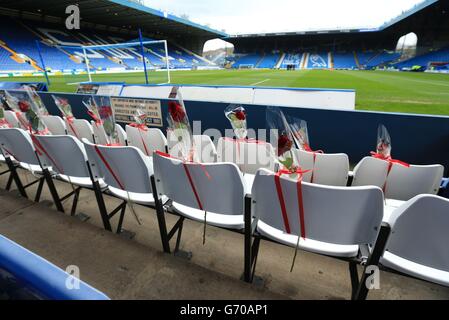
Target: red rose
105 112
284 144
240 115
176 111
24 106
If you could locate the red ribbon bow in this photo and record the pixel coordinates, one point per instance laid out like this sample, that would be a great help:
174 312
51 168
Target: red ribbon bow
140 126
98 122
277 180
391 162
308 149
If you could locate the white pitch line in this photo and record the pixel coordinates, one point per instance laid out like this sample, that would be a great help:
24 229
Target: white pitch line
260 82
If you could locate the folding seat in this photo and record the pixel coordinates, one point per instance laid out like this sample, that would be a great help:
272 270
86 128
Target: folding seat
205 148
212 193
55 125
417 246
405 183
126 171
399 182
80 129
147 141
12 119
370 171
101 138
326 169
248 155
19 152
340 222
66 160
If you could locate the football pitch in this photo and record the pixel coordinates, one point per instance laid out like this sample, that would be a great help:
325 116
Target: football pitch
421 93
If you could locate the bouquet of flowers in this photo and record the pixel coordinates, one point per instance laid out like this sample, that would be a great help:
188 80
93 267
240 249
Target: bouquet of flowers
92 110
36 100
64 107
102 105
281 133
383 147
300 133
21 103
3 122
180 126
237 116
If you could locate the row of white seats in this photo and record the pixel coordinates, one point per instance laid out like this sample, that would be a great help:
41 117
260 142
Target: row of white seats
340 222
326 169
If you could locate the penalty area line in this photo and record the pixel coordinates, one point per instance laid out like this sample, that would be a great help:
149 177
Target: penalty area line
260 82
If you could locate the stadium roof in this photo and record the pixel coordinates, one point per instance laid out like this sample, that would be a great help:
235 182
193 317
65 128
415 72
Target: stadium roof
123 14
404 15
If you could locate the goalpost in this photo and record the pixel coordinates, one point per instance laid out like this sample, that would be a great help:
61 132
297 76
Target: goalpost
124 57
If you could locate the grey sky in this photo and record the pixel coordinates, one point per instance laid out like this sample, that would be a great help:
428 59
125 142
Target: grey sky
259 16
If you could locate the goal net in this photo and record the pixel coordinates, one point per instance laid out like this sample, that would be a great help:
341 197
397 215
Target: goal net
138 62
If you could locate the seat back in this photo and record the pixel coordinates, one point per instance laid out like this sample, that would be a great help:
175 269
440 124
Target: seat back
18 143
65 154
55 124
420 232
124 168
405 183
249 156
370 172
327 169
338 215
205 149
212 187
99 133
122 136
12 119
147 141
80 129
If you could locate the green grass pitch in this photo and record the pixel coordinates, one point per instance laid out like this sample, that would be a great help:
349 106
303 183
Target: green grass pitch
421 93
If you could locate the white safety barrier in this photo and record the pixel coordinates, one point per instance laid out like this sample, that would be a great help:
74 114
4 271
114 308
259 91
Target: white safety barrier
334 99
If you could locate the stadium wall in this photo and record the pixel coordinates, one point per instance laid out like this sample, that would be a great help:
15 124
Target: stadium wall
416 139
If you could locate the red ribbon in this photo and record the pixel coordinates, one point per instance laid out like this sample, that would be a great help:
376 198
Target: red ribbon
70 121
277 180
98 122
4 122
141 127
116 178
391 162
38 146
189 176
308 149
22 122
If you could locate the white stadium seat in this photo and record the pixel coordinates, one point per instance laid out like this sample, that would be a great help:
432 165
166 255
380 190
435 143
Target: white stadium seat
80 129
418 242
55 125
326 169
147 141
193 188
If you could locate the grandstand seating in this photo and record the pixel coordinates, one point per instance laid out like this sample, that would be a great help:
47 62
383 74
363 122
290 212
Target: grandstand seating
249 59
291 59
344 60
269 61
318 60
441 55
21 39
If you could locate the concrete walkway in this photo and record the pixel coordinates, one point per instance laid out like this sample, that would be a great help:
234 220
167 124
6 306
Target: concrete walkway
137 268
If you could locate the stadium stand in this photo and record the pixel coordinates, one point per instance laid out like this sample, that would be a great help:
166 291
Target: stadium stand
251 59
343 60
318 60
439 56
268 61
18 50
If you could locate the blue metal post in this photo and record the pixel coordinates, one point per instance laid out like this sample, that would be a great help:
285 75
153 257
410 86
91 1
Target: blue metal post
143 56
42 62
